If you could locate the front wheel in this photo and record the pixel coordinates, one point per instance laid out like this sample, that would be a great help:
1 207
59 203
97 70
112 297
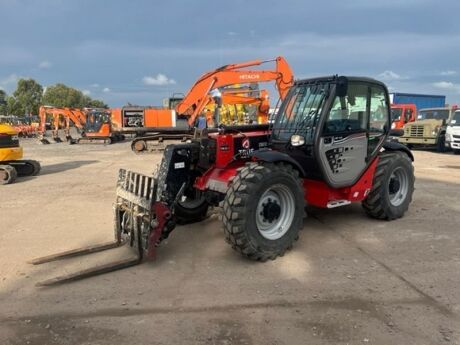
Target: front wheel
191 208
263 210
440 145
392 187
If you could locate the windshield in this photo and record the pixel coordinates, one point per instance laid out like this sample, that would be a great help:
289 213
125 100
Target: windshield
396 114
455 119
433 114
299 111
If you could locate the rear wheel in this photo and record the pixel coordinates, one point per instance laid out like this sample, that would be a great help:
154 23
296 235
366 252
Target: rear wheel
457 152
8 174
263 210
392 187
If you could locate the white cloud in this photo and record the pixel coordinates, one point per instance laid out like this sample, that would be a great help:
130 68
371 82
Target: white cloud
86 92
159 80
447 86
44 64
447 73
106 90
95 85
390 75
9 82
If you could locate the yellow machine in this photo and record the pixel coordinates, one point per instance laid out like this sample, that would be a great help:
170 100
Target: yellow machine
11 163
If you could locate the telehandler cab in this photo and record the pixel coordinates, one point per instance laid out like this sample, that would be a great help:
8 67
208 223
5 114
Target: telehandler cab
327 147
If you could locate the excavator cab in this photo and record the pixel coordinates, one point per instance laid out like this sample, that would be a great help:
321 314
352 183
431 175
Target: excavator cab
95 119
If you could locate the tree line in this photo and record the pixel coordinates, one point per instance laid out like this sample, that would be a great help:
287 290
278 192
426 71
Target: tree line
30 95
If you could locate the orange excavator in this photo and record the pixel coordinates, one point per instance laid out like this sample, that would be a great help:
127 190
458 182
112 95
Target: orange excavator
216 86
94 125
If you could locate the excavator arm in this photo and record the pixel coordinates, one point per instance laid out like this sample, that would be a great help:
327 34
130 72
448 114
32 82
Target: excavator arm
198 96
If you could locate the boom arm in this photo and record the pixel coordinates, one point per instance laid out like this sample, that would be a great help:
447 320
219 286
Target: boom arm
77 116
197 97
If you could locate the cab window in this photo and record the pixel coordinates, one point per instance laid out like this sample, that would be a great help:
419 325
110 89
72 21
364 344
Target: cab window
379 110
349 113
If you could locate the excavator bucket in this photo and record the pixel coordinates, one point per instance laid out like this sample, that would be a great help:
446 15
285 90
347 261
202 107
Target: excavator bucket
43 140
134 225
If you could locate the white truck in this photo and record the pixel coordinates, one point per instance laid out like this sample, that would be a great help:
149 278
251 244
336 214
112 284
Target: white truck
453 133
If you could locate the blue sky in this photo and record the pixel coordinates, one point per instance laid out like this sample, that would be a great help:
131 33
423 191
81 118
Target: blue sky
142 51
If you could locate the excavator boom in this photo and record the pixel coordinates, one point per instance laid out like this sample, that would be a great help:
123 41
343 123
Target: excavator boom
196 99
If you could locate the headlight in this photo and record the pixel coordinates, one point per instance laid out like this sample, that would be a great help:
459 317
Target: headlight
393 125
435 131
448 137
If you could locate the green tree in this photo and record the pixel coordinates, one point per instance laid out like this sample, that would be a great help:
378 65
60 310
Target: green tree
61 95
3 103
28 95
94 103
13 106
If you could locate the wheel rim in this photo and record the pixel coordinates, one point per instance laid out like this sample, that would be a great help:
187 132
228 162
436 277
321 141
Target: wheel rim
275 212
398 186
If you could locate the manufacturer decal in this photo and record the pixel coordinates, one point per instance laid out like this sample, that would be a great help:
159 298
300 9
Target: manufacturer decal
263 144
250 76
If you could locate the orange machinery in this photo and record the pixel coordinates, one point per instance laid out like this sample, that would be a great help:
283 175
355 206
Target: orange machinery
177 123
182 112
93 124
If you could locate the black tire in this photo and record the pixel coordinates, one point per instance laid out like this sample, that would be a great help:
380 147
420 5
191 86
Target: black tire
240 210
8 174
440 145
191 213
456 152
378 203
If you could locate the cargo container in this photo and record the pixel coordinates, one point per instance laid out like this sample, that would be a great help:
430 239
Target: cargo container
420 101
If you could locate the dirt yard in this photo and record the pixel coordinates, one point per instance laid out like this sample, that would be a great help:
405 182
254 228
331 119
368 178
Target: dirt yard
348 280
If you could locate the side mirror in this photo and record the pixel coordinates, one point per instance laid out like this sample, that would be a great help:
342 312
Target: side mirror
342 86
297 140
444 122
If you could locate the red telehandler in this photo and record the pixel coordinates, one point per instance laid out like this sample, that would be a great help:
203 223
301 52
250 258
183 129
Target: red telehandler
327 147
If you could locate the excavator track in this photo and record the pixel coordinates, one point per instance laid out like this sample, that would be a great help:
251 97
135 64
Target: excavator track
25 167
157 142
89 140
7 174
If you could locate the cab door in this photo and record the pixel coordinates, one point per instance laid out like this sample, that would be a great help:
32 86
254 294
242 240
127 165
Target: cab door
353 131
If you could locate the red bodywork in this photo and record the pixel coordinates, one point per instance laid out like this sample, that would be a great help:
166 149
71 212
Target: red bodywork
316 193
408 113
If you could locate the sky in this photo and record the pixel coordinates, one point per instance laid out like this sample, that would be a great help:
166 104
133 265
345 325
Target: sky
143 51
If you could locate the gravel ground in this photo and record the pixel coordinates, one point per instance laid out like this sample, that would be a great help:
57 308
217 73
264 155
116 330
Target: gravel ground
348 280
